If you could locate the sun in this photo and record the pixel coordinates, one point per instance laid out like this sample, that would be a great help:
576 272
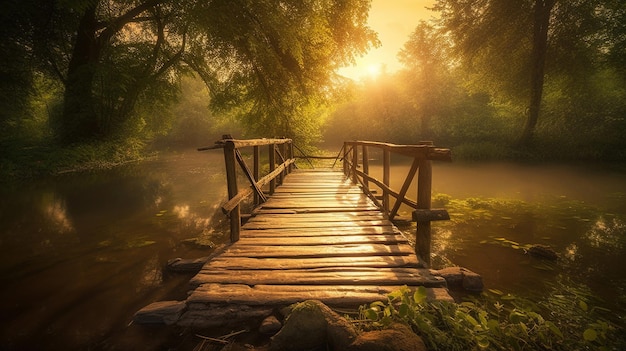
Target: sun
363 70
373 70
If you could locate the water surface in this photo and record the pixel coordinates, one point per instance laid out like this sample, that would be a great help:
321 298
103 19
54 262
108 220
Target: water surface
80 253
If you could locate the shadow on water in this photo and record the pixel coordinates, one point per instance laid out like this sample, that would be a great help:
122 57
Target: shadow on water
80 253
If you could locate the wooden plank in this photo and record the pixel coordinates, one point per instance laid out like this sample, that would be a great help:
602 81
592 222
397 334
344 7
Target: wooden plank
317 209
271 295
323 240
304 232
318 251
247 263
323 276
340 216
313 224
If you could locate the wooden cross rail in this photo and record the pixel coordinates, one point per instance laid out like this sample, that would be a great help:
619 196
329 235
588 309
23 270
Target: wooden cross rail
282 147
422 154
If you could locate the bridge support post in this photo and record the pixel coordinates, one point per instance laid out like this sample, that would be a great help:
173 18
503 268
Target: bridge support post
386 178
272 161
424 192
231 180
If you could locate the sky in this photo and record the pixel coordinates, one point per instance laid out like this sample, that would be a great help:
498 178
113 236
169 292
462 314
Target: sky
394 21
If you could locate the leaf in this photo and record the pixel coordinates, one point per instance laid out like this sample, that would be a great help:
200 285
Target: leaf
583 305
590 335
420 295
483 342
371 314
554 329
377 304
403 310
493 324
496 291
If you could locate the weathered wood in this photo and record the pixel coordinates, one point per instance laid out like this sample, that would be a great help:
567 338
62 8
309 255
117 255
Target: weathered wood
233 202
424 186
324 240
323 276
272 295
231 179
238 143
272 161
405 188
318 236
256 166
302 251
330 231
251 178
428 152
248 263
433 214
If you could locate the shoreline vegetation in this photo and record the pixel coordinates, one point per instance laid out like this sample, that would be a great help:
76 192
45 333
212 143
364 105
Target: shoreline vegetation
20 161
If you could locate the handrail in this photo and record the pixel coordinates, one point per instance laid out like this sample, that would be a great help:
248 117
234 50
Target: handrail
281 147
422 154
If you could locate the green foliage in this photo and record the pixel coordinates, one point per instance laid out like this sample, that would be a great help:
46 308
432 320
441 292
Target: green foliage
493 321
19 162
121 62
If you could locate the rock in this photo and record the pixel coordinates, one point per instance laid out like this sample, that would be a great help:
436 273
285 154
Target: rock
543 251
163 312
270 326
461 278
312 325
190 265
217 315
398 338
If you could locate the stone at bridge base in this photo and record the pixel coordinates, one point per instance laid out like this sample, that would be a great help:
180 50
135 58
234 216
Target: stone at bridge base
162 312
398 337
460 278
312 325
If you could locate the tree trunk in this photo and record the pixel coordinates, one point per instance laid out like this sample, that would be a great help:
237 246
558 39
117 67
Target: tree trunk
541 23
79 121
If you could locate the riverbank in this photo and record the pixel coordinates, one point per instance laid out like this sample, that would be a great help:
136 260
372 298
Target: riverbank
20 161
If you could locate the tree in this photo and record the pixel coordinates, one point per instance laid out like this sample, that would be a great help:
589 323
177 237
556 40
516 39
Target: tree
509 46
427 59
267 58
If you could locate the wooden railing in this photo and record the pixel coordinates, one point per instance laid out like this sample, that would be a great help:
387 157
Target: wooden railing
281 163
422 154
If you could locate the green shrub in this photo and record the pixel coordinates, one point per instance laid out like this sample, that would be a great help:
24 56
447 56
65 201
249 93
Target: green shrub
493 321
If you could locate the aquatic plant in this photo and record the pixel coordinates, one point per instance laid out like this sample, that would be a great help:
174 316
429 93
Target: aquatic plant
496 321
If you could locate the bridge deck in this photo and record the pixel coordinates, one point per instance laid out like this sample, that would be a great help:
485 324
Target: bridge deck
317 237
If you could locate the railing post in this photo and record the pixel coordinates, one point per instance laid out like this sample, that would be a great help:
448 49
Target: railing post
281 177
256 171
355 162
424 189
386 178
345 157
231 179
272 160
290 156
366 166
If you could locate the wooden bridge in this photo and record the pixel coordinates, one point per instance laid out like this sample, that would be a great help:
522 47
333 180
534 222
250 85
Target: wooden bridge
315 234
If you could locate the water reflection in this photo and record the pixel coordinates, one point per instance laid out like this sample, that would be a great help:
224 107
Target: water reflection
607 233
55 210
79 254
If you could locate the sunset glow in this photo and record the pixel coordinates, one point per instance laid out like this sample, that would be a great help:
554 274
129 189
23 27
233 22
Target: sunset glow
394 21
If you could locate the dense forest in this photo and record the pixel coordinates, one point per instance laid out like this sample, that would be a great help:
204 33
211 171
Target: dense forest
98 80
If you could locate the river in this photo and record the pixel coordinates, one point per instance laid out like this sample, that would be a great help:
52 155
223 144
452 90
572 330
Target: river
80 253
